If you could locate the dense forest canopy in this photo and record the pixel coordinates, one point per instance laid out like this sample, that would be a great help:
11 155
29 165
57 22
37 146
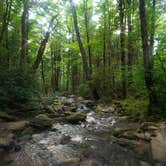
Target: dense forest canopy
101 49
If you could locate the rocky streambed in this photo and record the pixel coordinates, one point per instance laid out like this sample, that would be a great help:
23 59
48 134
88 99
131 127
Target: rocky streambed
77 132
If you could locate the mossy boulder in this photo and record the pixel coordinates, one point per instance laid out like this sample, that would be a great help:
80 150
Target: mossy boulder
28 131
76 118
57 105
118 132
41 121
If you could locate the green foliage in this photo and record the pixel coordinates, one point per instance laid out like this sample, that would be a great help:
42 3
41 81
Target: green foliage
84 90
16 87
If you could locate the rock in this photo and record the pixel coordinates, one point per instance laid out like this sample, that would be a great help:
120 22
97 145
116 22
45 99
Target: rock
76 118
28 131
80 98
98 109
41 121
90 163
148 126
140 148
70 162
118 132
109 110
143 136
6 117
70 108
6 139
158 145
88 103
143 163
17 126
69 101
57 105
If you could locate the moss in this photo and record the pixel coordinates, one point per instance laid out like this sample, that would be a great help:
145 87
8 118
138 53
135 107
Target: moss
133 107
28 130
118 132
75 118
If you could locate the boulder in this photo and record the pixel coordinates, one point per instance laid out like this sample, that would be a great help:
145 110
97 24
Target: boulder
90 163
76 118
70 162
57 105
41 121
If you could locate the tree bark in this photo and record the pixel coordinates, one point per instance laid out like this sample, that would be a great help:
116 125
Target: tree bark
122 44
147 58
130 44
43 46
6 18
24 29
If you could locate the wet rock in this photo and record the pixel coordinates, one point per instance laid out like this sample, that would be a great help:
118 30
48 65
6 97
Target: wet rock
70 162
41 121
90 163
76 118
118 132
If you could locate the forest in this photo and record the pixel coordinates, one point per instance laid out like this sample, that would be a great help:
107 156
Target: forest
79 63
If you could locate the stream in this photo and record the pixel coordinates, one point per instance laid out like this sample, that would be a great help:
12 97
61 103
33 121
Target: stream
88 143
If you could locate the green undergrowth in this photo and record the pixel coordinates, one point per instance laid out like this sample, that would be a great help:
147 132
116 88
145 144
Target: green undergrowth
135 108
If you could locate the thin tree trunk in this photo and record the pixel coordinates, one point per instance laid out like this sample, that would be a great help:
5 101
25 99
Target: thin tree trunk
122 44
43 46
130 46
83 54
6 18
147 58
87 34
43 78
24 40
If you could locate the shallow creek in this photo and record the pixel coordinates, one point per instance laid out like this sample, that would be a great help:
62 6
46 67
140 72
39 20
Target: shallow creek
85 144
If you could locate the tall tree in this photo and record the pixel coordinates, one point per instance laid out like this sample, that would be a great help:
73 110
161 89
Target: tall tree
86 16
122 45
130 44
87 72
24 32
43 45
148 65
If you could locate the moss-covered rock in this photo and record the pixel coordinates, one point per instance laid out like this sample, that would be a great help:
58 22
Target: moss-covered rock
28 131
76 118
118 132
41 121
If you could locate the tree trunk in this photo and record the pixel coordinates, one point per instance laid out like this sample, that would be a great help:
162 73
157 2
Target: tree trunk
87 34
43 78
43 46
130 46
122 44
147 58
83 54
24 40
6 18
